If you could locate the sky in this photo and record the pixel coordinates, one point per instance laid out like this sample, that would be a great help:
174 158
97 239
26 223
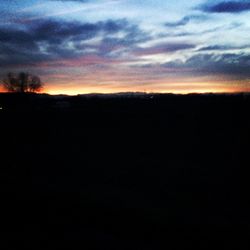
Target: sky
107 46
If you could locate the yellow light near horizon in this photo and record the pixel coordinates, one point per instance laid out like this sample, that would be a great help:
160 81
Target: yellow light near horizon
178 87
170 89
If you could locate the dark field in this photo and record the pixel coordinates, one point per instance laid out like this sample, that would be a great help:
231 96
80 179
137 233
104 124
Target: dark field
125 172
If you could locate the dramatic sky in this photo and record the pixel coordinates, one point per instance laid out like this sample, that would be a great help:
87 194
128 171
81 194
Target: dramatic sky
82 46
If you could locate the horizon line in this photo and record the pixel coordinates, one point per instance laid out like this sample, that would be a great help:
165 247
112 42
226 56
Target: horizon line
134 93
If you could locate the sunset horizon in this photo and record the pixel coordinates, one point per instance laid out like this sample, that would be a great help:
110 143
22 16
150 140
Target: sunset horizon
125 124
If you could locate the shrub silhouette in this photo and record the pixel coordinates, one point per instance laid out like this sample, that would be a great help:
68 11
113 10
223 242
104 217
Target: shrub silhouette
22 82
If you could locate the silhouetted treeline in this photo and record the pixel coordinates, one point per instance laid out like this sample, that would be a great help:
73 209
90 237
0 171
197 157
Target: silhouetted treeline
22 83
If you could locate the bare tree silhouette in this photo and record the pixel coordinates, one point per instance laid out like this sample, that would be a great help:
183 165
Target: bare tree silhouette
22 82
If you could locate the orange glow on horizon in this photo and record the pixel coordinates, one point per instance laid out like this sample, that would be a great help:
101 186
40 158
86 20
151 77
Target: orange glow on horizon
174 88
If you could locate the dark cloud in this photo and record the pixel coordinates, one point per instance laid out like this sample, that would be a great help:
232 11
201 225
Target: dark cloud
217 47
185 20
55 31
164 48
199 32
227 7
181 22
15 37
223 47
58 29
232 65
47 40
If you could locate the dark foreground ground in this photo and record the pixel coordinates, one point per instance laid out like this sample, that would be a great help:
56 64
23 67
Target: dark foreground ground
134 172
